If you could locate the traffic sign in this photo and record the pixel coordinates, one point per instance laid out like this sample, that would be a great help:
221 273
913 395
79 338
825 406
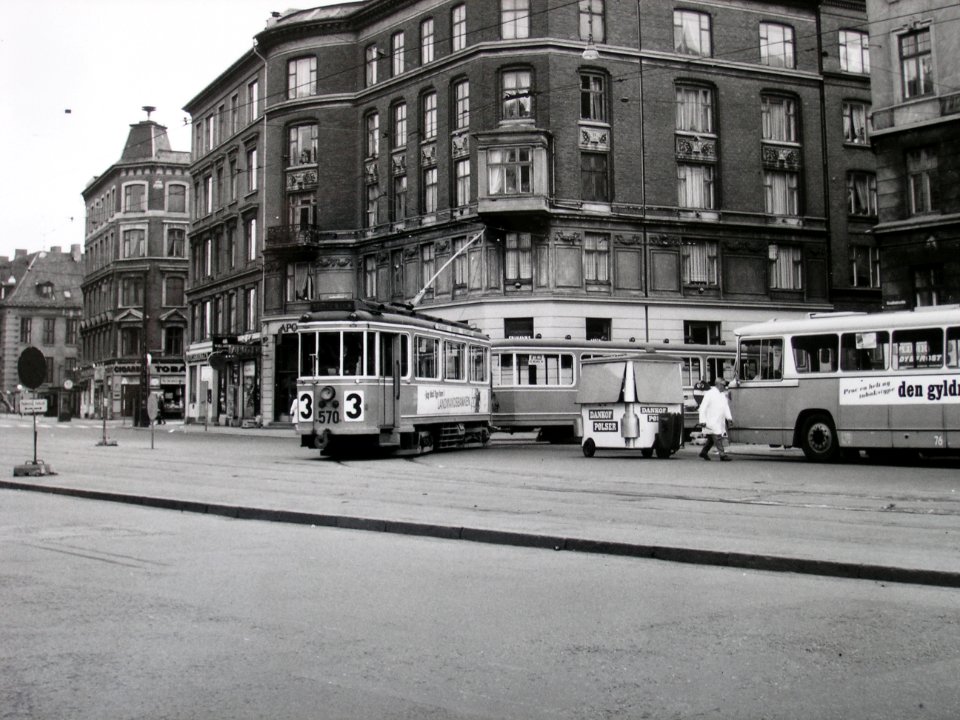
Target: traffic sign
33 406
152 407
32 368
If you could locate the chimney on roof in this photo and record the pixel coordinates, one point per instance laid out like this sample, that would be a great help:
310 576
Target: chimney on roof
56 249
19 253
76 251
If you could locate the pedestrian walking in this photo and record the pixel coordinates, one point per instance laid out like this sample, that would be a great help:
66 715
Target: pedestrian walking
714 417
160 420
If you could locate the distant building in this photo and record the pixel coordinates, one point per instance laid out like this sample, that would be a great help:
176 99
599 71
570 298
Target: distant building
135 277
40 306
915 76
653 170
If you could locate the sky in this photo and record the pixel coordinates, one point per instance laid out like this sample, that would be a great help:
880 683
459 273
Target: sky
102 60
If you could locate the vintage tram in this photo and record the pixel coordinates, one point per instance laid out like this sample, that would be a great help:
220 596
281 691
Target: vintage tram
381 376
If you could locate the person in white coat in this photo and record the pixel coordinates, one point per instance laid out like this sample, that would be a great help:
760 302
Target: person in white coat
714 417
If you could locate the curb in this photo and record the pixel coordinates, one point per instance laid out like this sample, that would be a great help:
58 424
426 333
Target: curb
747 561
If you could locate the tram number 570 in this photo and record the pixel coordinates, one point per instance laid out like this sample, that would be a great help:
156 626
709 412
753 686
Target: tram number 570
352 409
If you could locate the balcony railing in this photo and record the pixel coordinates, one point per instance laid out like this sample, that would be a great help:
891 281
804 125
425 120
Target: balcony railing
296 235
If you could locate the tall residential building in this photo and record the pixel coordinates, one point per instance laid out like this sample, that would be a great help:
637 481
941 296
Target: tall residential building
40 306
916 137
662 170
134 319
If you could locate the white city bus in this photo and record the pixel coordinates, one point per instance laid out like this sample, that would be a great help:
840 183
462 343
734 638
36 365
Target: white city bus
837 383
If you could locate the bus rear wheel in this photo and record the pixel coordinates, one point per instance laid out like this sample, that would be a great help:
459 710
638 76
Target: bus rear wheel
589 447
818 439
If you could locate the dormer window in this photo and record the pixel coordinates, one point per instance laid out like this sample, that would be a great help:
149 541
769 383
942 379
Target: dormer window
45 289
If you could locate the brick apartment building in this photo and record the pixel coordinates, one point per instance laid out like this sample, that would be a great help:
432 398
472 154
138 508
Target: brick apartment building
657 171
40 306
916 136
135 277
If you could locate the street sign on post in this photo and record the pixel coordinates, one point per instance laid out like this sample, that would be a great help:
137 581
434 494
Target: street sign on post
32 369
33 406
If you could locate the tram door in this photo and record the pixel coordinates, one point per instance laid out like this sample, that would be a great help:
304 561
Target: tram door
390 362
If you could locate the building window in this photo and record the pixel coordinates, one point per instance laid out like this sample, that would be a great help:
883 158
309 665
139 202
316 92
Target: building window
173 341
302 145
251 169
514 19
855 129
927 283
134 198
177 198
517 94
694 109
509 171
173 291
518 258
372 214
786 267
855 51
776 45
427 264
426 41
593 99
231 248
253 100
597 328
234 113
518 327
300 281
429 106
176 242
373 135
922 181
458 21
461 105
594 177
462 182
371 55
49 330
596 258
778 118
781 192
234 174
861 193
208 194
26 326
370 276
864 266
429 190
591 20
131 292
301 77
400 125
251 238
695 186
129 341
701 332
302 210
691 33
73 327
459 263
134 243
699 259
208 256
251 310
916 64
399 197
396 53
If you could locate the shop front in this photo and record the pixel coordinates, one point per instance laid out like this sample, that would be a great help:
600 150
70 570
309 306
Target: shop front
236 365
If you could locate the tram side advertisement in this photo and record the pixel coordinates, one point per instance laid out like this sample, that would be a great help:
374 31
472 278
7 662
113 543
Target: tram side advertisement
448 400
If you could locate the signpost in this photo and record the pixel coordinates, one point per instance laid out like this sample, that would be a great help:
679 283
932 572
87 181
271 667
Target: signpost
99 376
152 407
32 369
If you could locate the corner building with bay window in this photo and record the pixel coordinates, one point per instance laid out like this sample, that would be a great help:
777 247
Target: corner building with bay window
653 171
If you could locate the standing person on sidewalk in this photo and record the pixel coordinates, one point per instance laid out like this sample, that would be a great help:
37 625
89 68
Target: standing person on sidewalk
714 416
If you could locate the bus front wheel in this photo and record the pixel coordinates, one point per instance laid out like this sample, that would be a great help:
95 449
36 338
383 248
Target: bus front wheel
818 439
589 447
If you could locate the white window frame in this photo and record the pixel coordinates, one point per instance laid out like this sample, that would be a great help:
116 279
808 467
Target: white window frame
777 45
514 19
855 51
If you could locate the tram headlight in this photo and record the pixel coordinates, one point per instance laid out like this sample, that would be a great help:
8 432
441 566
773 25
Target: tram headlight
327 393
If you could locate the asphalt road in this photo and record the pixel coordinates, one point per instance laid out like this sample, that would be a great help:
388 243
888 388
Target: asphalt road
124 612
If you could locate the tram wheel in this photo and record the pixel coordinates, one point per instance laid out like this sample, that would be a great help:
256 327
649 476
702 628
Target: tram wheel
663 452
818 439
647 452
589 447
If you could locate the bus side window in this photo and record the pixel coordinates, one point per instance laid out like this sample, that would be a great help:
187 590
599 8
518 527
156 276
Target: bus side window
953 347
919 348
761 359
865 352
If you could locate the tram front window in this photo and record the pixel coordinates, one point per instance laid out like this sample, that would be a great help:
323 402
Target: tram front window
328 354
